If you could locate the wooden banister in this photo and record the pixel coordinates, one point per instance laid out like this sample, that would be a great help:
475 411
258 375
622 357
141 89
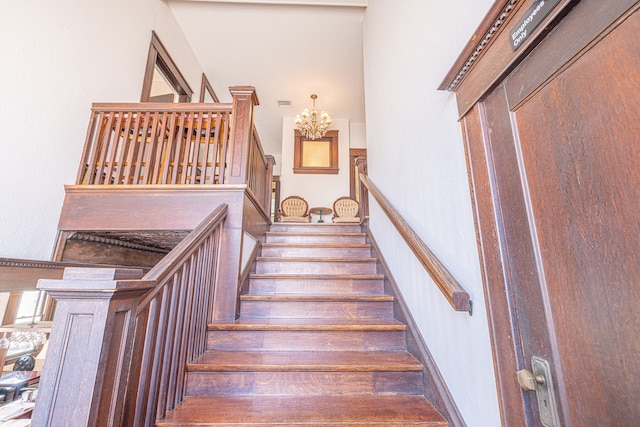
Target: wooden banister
140 332
184 143
448 285
171 322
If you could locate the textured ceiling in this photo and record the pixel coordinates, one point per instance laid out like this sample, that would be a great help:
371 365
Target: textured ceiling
286 49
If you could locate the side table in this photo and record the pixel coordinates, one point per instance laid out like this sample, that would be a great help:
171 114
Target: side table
320 211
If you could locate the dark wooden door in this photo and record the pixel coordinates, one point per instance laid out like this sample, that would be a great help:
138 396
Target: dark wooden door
555 171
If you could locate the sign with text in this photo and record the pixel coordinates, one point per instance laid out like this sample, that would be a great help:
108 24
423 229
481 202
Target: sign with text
530 21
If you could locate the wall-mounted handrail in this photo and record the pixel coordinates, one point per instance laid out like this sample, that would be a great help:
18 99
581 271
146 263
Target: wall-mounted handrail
448 285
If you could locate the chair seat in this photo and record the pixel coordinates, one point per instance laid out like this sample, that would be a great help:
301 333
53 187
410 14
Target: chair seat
295 219
294 209
340 219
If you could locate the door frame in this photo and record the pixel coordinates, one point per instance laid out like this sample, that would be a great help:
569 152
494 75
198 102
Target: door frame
484 64
357 191
159 57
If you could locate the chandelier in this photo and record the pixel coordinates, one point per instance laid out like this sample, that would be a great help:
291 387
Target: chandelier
311 124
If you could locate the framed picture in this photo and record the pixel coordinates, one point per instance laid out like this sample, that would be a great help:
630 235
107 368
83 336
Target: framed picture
318 155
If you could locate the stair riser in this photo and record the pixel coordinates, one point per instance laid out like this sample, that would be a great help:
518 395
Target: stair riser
318 309
281 227
316 286
314 252
319 239
306 340
315 267
284 383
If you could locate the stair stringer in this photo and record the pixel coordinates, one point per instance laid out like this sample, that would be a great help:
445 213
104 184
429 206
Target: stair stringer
436 389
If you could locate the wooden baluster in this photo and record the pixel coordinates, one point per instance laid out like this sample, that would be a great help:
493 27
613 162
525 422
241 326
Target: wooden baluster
196 174
111 143
206 149
220 152
142 148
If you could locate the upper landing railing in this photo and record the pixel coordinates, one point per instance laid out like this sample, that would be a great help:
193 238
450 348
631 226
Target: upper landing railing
167 143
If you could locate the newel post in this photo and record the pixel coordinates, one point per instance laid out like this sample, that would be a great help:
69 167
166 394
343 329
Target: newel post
244 99
90 345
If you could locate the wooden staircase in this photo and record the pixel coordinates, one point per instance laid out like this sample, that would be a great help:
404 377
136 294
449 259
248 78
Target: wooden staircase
316 344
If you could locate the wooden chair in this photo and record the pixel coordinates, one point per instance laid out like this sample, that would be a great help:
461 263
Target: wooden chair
346 209
294 209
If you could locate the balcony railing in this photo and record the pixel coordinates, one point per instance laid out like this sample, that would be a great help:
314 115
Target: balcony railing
185 144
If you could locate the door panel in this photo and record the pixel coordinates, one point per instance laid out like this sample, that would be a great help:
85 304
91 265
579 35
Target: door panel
580 142
555 179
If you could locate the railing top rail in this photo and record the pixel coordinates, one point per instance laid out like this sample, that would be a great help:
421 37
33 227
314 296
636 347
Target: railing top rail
259 145
457 296
109 107
173 259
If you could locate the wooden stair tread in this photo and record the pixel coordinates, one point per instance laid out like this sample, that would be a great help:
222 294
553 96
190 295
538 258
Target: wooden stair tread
217 360
331 324
306 411
315 276
316 245
335 233
316 259
314 298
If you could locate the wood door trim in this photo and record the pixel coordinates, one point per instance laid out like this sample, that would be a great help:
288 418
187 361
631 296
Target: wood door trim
353 154
506 353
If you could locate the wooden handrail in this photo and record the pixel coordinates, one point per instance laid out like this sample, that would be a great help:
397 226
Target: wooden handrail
171 322
448 285
168 107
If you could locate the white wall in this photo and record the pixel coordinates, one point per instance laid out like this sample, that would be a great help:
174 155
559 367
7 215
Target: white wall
416 158
57 58
317 189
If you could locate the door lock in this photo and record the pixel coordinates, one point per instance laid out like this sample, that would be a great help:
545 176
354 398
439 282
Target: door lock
540 381
528 381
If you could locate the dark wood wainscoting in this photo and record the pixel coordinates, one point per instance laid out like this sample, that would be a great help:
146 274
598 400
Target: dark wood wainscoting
553 147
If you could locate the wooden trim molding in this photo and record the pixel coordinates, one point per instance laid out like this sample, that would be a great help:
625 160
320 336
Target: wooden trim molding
487 59
158 55
298 154
17 275
497 15
457 296
205 87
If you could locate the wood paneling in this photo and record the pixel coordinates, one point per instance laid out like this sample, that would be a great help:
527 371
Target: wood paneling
553 158
583 170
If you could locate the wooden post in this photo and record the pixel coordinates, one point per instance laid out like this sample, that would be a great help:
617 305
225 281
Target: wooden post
244 99
90 346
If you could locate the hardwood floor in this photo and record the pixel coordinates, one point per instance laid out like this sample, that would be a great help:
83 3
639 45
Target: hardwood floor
316 344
